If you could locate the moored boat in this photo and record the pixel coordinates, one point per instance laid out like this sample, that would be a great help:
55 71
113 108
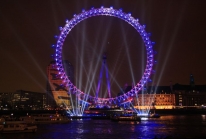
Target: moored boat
150 115
16 126
125 118
45 119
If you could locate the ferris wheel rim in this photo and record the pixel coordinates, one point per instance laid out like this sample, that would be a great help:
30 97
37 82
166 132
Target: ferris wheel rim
70 24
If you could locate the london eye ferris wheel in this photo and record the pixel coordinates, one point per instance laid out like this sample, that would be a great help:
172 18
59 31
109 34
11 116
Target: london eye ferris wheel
70 24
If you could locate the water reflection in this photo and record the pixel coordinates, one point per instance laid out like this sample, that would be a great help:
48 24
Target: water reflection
168 126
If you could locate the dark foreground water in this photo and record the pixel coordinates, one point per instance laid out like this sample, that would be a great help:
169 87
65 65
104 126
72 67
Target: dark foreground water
165 127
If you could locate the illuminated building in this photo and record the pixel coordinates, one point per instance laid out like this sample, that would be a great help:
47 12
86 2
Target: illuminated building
190 96
56 89
170 97
157 101
22 99
162 100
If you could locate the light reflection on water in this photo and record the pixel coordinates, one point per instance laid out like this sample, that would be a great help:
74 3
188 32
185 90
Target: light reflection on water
171 126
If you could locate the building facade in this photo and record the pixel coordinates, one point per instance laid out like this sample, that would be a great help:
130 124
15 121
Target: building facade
173 96
56 89
157 101
22 99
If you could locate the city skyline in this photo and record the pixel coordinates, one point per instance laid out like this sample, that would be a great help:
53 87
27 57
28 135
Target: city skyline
28 30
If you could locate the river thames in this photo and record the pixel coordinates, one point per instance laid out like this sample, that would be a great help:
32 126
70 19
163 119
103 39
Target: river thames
165 127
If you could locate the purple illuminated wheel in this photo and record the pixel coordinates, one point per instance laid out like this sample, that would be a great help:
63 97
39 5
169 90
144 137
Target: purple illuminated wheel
104 12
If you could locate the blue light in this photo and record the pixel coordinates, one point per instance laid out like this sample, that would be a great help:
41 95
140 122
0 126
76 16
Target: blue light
67 21
149 80
60 28
149 34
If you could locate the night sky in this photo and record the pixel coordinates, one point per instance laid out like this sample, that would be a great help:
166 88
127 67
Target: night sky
27 30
